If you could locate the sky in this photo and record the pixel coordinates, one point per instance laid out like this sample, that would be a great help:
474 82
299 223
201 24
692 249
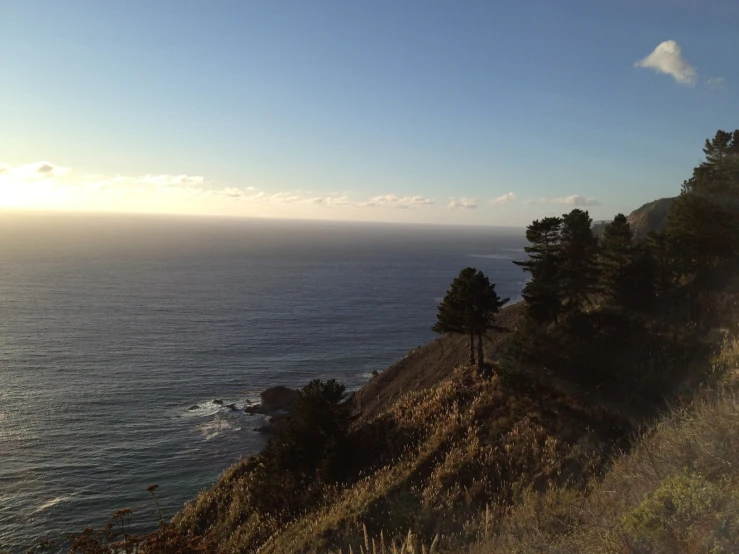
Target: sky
432 111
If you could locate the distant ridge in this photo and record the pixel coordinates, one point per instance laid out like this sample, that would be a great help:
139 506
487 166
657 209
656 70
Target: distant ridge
652 216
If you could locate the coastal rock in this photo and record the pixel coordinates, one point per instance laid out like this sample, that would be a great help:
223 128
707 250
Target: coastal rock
275 425
218 401
278 398
194 407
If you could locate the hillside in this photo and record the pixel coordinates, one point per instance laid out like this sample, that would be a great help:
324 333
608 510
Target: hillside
429 365
676 491
650 217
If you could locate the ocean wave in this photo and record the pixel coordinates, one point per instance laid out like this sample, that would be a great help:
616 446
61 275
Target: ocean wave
211 429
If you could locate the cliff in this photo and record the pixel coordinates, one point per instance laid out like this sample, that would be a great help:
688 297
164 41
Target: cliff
650 217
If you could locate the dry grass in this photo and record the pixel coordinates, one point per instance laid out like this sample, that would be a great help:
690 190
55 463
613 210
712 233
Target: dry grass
431 462
676 492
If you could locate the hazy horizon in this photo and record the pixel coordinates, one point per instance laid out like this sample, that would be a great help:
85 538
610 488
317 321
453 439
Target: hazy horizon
409 112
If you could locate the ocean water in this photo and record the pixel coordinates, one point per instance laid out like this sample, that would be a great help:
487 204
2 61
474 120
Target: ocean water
111 327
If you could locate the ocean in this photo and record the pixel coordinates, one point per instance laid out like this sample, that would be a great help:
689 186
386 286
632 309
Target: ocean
112 327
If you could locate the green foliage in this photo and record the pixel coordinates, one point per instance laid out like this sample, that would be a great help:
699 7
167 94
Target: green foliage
309 453
704 220
578 251
562 264
628 271
615 256
669 515
542 293
469 307
665 257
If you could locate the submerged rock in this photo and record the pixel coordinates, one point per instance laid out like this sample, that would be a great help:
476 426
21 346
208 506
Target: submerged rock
194 407
219 402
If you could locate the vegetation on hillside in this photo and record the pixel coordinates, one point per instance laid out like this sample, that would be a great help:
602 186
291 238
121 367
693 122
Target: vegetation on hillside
563 447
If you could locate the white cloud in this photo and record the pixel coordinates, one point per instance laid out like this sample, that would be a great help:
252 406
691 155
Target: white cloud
342 200
573 200
169 189
395 201
667 58
504 199
464 203
34 171
715 83
171 180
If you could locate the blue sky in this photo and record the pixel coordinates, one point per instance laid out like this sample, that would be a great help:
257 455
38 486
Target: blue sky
489 113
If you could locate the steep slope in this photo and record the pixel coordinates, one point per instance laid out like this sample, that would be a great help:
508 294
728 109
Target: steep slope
428 365
428 462
650 217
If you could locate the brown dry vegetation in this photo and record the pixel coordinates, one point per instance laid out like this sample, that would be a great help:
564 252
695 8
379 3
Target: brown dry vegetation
433 460
676 492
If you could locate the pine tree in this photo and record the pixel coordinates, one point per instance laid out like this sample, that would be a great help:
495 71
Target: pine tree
615 260
578 267
665 260
704 219
542 293
469 307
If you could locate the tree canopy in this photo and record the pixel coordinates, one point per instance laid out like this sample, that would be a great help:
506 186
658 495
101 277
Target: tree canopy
469 307
542 293
704 220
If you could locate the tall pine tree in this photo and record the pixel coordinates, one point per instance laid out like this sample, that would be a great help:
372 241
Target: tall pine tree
578 271
469 307
542 292
704 219
615 260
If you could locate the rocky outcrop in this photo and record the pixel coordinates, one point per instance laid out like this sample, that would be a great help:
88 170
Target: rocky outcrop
277 402
278 398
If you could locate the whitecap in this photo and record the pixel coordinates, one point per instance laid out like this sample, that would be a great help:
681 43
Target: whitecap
216 427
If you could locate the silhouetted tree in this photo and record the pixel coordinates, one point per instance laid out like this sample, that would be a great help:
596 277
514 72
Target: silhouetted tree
704 219
615 259
542 292
578 271
469 307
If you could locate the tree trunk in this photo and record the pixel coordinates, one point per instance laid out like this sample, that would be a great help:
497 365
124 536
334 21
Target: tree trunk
472 347
480 354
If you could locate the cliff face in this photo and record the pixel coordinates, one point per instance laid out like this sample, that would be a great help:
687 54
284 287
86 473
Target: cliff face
650 217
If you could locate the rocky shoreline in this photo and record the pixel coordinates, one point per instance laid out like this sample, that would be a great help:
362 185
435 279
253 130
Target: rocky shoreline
275 402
